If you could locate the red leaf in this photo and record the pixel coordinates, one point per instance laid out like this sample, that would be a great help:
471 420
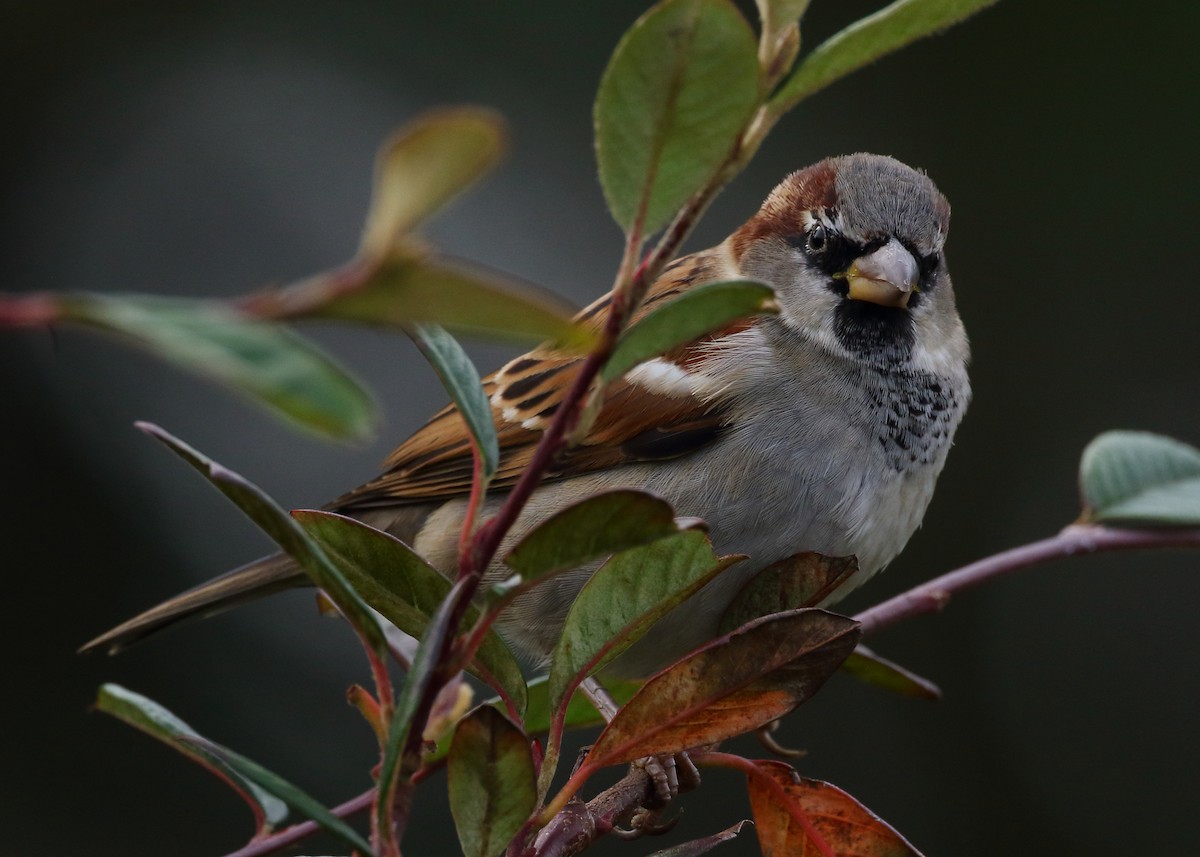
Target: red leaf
847 828
732 685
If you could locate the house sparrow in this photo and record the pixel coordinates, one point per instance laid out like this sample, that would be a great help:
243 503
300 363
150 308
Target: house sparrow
823 428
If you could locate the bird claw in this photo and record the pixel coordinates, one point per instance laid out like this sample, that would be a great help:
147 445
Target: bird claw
663 774
766 737
670 775
645 822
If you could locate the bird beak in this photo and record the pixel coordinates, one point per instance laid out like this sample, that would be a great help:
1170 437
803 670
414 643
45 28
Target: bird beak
886 276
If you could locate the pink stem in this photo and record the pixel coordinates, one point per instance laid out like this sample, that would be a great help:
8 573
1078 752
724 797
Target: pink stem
290 835
1074 540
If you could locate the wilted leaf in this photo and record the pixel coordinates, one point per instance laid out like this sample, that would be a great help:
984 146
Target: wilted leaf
693 314
676 95
867 666
294 797
846 826
274 365
461 380
593 528
404 588
286 533
702 846
360 698
1140 478
156 721
492 790
625 596
730 686
405 290
869 39
429 162
803 580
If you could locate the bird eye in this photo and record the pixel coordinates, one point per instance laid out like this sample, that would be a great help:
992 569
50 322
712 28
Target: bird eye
818 238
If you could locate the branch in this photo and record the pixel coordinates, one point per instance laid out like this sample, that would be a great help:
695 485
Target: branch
578 825
291 835
1074 540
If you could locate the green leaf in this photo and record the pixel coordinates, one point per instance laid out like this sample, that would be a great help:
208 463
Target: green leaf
803 580
599 526
405 290
733 685
274 365
429 162
696 313
157 722
406 590
847 828
416 685
491 777
673 101
625 596
580 712
294 797
1140 478
286 533
867 666
461 380
867 40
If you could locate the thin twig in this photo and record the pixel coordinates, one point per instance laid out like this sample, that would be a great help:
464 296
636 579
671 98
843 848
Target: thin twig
1074 540
291 835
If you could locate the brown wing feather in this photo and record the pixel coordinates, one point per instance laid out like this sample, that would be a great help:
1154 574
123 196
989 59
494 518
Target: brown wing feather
634 423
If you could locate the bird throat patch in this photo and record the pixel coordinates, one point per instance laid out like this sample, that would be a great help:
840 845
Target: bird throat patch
882 336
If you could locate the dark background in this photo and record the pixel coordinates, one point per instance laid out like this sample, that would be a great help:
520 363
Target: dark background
210 148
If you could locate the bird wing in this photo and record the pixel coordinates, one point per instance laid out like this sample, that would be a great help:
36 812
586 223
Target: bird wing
639 420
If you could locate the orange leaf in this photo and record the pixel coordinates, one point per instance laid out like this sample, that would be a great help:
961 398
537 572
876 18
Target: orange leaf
732 685
847 827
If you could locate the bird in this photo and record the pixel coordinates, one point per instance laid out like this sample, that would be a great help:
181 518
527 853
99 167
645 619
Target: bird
821 428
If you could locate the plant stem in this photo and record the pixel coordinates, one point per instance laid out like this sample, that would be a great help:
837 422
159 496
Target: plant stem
291 835
1074 540
35 310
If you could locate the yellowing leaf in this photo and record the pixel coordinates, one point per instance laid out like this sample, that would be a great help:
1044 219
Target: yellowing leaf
424 166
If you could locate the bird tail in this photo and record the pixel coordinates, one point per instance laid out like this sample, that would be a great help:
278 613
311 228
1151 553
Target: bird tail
263 577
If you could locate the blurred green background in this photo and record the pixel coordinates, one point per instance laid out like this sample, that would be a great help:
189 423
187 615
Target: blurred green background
210 148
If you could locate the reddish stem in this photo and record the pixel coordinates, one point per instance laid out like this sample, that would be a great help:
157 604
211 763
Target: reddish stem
478 487
1074 540
291 835
34 310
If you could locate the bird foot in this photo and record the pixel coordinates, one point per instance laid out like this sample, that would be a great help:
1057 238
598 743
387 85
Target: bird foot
670 775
